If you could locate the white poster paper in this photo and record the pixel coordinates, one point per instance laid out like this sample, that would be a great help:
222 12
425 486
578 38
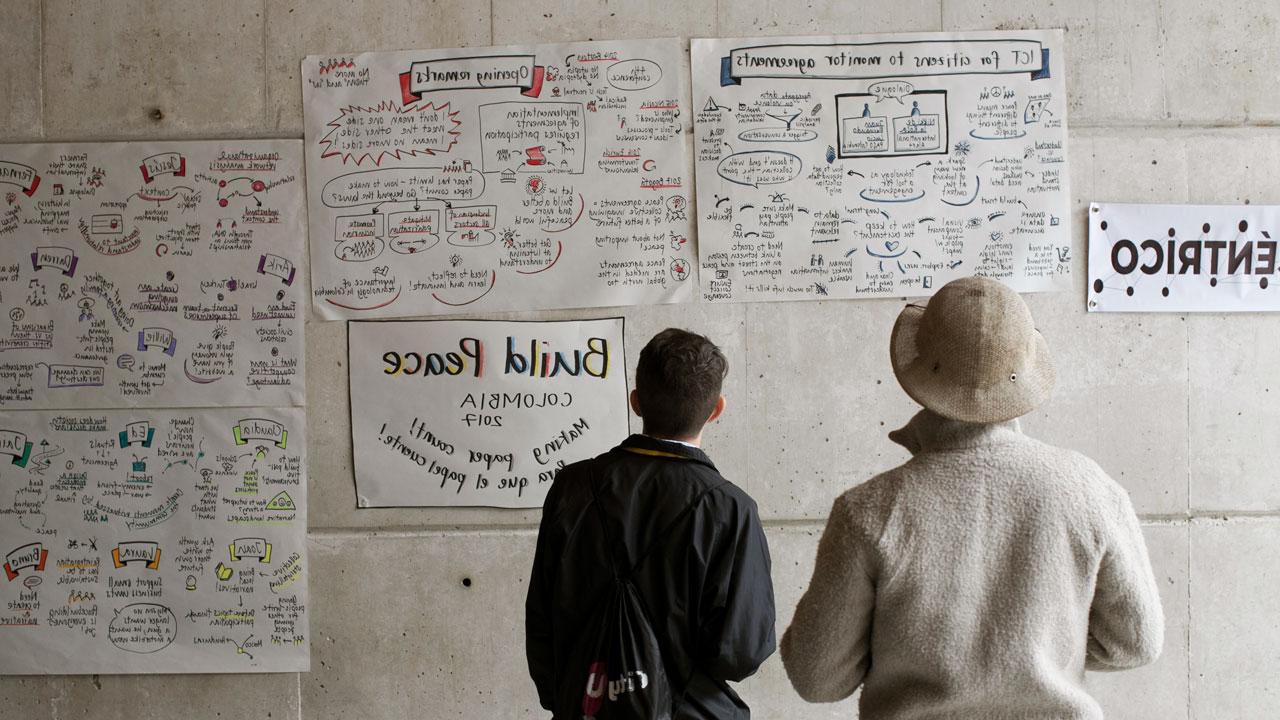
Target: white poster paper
158 541
877 165
481 413
511 178
1183 258
151 274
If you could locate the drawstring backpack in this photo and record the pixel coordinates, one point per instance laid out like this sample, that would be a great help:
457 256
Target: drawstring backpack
617 668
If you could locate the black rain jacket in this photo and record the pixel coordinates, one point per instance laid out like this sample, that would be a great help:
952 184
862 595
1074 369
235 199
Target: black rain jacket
706 585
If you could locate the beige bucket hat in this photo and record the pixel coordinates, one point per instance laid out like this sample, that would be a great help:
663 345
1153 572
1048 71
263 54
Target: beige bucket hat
973 353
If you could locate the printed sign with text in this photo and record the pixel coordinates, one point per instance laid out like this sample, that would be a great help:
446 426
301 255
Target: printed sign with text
1183 258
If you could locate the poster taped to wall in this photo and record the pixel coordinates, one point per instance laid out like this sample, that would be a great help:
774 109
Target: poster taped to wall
880 165
481 413
1183 258
158 541
508 178
151 274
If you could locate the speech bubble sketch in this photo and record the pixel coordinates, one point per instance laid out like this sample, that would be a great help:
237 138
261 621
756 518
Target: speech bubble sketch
634 75
455 181
413 231
891 90
760 167
143 628
389 130
359 238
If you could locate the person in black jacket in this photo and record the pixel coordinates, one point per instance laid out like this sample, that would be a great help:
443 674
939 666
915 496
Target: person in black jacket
705 582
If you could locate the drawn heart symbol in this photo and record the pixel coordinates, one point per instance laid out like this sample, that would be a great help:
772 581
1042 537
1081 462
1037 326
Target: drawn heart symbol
891 245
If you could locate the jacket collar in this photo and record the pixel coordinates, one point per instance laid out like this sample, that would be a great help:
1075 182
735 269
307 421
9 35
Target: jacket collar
645 445
931 432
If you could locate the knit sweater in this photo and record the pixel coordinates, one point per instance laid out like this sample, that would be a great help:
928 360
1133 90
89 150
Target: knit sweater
978 580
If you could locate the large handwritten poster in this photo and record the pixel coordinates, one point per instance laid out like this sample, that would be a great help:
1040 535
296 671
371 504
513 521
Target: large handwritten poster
876 165
151 274
512 178
1183 258
153 541
481 413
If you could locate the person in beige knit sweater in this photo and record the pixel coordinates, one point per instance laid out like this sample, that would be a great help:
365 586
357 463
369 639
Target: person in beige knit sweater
981 578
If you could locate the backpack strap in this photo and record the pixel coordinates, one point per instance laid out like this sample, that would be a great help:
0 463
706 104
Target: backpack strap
604 527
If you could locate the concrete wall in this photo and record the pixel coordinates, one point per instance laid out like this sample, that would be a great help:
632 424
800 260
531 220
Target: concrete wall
1170 101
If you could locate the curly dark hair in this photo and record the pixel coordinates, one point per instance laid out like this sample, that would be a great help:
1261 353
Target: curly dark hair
678 382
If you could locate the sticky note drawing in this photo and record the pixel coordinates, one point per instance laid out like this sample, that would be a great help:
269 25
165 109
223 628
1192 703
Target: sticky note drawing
361 134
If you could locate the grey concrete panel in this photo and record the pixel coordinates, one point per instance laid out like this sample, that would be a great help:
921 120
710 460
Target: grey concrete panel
400 634
298 28
749 18
1233 371
20 71
1114 52
152 69
1220 61
547 21
150 697
1234 605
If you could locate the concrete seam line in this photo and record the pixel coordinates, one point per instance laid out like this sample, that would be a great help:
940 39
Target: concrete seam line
399 531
